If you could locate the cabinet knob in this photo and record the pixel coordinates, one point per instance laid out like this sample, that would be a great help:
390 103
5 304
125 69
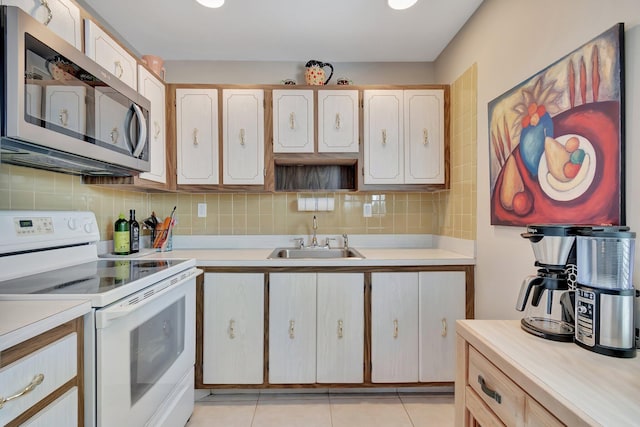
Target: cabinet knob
195 136
340 323
384 136
114 134
64 117
232 332
395 328
337 120
444 328
44 4
242 136
156 127
37 380
292 121
292 333
425 136
118 68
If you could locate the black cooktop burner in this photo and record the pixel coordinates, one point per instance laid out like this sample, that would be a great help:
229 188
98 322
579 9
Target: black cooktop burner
93 277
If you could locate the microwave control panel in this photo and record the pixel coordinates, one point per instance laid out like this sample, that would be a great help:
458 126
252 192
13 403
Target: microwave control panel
585 311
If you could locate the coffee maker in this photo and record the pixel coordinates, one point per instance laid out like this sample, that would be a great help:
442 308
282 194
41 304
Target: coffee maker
605 295
547 298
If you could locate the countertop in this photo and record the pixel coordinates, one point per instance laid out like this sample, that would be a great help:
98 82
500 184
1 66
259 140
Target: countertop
578 386
372 257
21 320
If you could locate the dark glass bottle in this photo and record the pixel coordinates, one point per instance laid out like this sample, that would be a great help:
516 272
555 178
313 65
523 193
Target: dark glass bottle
134 232
121 245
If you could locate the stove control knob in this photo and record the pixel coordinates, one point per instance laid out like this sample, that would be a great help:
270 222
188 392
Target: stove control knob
582 309
88 227
72 224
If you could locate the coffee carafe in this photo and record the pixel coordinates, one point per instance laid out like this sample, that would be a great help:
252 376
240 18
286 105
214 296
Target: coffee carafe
605 294
548 298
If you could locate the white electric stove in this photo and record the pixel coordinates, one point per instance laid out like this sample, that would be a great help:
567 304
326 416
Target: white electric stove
139 337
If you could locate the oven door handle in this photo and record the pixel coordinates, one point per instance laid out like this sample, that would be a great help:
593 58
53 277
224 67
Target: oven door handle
105 317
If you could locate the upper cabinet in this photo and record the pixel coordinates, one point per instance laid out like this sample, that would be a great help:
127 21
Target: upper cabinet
197 136
243 136
108 53
293 121
153 89
338 121
60 16
404 136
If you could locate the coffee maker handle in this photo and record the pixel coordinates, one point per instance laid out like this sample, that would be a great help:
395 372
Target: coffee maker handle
525 289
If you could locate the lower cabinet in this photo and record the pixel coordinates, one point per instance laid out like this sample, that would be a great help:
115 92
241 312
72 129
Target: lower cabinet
316 328
233 328
412 319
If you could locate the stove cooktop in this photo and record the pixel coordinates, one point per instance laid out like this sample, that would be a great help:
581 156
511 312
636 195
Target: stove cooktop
103 280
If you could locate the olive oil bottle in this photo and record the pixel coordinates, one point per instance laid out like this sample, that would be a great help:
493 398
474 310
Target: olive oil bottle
121 238
134 232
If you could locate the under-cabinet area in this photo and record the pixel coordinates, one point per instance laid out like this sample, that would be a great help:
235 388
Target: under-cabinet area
281 327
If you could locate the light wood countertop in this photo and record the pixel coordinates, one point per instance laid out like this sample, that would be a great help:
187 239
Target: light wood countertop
580 387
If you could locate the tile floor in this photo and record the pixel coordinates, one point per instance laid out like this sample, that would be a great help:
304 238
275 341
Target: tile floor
324 410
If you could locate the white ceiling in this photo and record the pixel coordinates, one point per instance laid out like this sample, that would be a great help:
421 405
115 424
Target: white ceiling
287 30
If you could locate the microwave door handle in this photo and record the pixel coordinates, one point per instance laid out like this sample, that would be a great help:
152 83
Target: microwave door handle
142 135
127 128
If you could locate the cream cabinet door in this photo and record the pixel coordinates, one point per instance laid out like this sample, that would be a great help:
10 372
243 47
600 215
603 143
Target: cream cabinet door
108 118
338 127
65 106
424 137
104 50
292 328
340 316
197 136
233 329
383 137
243 136
153 89
442 302
394 327
293 121
60 16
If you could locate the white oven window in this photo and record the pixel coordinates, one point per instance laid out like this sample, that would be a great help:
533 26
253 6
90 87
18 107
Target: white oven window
154 346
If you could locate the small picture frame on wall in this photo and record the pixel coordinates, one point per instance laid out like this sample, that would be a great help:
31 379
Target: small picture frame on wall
556 141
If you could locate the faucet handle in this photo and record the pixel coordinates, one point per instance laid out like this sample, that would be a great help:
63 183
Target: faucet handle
345 238
300 241
327 240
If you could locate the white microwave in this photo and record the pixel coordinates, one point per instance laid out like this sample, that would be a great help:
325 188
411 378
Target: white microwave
63 112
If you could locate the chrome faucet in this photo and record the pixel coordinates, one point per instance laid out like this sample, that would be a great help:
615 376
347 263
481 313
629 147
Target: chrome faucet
346 240
314 238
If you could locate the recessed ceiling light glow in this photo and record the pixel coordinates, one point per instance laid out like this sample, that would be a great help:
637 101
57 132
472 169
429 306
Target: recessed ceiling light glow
399 4
211 3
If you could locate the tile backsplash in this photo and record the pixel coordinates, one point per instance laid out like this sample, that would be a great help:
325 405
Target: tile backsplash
450 213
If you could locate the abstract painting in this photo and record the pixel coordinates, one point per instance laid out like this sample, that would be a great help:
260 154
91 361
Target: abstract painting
556 141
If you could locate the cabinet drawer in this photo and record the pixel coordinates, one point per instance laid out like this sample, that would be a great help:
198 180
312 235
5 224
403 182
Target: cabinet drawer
61 412
57 362
509 402
538 416
480 412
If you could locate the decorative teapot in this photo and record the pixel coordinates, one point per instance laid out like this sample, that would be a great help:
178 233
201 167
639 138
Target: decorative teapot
314 74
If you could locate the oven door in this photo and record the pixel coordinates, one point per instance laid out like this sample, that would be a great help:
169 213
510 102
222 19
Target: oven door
143 350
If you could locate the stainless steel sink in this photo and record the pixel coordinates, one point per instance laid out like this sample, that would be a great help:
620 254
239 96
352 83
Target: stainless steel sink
315 253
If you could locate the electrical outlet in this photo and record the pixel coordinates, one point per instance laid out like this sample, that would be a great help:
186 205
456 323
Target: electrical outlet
202 210
366 210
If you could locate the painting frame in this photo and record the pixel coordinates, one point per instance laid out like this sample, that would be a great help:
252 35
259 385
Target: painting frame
557 140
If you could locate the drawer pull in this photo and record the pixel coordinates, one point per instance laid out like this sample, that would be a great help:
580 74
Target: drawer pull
491 393
340 329
232 327
395 328
443 333
292 332
37 380
49 13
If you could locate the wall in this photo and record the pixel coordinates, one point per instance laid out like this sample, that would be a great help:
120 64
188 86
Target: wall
509 41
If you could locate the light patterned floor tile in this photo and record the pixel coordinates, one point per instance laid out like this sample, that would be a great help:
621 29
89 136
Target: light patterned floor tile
368 412
278 411
223 414
430 410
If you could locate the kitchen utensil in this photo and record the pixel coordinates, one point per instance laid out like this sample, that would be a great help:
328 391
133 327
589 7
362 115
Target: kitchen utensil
547 299
163 230
314 73
605 294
